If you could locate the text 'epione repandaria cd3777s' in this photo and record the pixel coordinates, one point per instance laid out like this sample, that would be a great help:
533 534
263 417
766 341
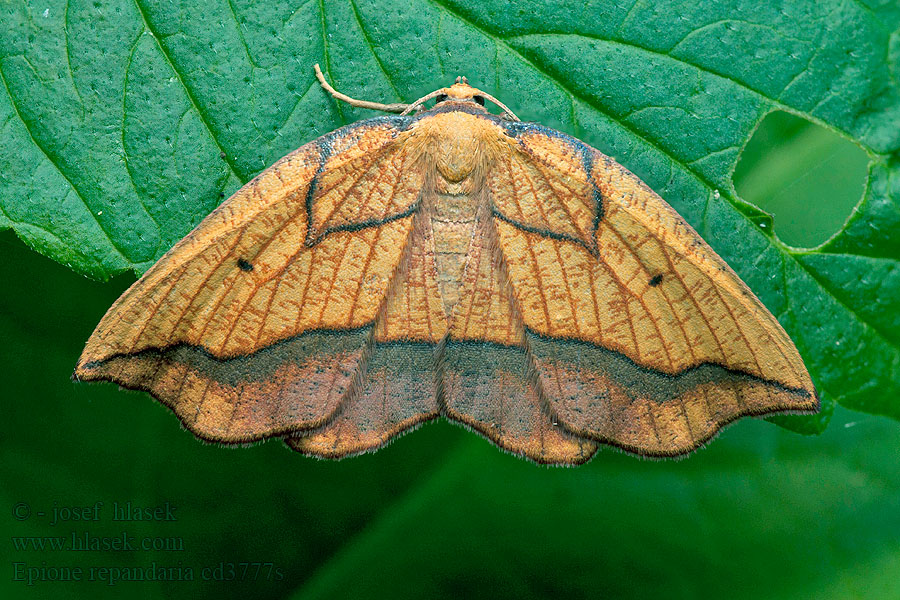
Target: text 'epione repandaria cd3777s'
456 263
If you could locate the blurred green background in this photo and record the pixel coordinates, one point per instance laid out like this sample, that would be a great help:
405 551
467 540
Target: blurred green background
760 513
806 176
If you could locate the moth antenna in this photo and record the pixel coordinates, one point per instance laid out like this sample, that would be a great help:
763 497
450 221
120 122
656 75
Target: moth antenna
393 108
508 114
422 100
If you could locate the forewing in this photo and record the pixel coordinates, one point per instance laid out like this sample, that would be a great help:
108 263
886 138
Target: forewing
640 335
261 319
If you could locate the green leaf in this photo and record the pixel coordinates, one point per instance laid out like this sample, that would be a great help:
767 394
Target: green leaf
124 122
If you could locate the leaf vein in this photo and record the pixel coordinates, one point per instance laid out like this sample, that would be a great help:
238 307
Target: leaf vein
59 169
243 178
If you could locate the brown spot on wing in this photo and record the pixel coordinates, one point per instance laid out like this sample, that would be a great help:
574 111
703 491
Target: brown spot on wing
207 335
697 319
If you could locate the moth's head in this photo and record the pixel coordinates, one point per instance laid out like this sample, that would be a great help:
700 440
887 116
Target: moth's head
460 91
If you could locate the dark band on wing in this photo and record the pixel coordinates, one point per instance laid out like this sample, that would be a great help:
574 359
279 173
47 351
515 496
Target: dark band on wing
545 232
254 366
516 128
365 224
645 381
260 365
325 146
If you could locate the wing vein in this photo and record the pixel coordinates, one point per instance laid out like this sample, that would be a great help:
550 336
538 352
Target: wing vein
535 272
633 250
560 200
372 245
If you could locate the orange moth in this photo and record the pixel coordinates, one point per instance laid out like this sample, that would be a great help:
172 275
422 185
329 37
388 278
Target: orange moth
449 262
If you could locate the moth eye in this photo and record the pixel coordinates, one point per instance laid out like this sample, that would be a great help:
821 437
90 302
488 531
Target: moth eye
440 98
479 99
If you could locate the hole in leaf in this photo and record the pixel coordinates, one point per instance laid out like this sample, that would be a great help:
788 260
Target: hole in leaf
807 177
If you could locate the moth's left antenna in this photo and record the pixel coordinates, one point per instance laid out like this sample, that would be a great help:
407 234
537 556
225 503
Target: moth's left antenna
393 108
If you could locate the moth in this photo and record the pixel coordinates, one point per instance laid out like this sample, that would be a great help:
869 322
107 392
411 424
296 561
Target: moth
449 262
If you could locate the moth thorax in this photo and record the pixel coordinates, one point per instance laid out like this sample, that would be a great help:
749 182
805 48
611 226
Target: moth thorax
458 160
457 144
